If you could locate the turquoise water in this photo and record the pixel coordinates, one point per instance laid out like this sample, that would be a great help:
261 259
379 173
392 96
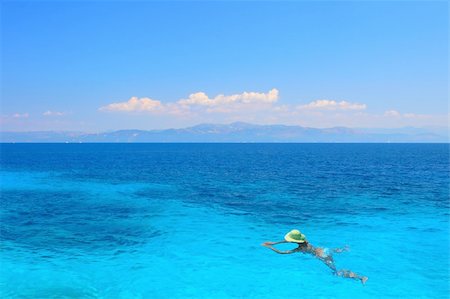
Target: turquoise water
187 220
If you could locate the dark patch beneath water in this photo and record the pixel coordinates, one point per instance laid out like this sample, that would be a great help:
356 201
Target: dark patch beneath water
67 220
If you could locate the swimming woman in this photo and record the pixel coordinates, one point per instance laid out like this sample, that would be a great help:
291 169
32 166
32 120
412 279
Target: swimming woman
295 236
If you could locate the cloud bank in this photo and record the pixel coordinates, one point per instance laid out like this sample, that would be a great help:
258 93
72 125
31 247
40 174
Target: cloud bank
265 108
226 104
195 101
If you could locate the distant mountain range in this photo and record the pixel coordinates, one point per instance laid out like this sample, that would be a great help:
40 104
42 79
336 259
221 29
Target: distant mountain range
237 132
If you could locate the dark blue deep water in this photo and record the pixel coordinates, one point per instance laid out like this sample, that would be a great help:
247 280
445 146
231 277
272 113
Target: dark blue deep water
187 220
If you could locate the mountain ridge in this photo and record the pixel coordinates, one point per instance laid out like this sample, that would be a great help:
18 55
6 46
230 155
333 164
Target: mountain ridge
234 132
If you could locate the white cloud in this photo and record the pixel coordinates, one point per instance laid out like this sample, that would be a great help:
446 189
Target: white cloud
202 99
20 115
333 105
393 113
134 104
396 114
53 113
414 115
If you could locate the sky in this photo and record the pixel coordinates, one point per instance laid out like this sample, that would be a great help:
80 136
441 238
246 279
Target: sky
108 65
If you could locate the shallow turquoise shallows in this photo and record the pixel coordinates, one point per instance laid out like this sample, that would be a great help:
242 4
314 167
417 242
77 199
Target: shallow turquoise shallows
187 220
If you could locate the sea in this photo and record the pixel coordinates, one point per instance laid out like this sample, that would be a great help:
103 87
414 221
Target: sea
188 220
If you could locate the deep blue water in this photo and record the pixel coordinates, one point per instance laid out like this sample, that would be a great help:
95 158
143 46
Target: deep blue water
187 220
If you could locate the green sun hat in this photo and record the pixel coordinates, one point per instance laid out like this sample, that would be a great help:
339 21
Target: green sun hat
295 236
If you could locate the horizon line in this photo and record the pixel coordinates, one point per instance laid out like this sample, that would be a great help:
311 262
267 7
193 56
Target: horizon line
229 124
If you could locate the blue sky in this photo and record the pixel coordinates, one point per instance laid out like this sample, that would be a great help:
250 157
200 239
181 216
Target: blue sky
95 66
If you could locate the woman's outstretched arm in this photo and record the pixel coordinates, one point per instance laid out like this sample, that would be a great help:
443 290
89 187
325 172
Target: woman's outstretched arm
269 245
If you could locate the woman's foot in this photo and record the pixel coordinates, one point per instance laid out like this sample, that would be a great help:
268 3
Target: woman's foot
364 279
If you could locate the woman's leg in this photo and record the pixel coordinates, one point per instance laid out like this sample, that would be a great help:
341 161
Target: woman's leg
352 275
328 260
